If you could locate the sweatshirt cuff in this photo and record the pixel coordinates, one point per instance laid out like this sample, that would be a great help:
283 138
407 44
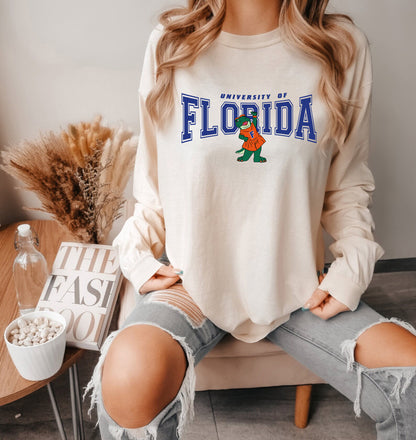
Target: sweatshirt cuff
141 273
342 289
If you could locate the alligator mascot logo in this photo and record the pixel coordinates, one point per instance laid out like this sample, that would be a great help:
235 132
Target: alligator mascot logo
253 141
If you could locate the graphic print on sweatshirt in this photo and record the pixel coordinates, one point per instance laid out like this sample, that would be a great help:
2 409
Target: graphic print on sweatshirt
252 117
253 141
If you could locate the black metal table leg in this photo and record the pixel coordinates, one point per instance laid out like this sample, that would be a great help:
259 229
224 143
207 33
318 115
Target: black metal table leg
76 404
56 411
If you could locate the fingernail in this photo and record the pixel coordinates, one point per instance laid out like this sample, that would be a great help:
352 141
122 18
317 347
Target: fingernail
307 306
178 271
305 309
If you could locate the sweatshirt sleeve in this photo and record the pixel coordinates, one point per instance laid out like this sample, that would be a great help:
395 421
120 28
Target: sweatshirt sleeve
348 195
142 238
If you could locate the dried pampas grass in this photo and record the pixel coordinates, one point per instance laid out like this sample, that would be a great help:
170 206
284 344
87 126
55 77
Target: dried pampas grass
79 176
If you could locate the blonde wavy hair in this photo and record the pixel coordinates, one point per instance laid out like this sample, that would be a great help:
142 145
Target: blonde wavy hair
189 31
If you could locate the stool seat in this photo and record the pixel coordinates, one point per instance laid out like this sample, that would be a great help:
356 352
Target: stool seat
236 364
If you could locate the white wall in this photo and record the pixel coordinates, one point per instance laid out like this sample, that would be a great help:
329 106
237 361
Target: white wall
65 61
391 31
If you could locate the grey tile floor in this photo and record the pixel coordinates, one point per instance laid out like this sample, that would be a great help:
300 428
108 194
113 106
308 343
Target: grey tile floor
260 414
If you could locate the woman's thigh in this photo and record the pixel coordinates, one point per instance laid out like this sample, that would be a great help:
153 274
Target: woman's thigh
326 348
173 311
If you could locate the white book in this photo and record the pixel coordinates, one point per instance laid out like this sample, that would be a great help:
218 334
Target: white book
83 287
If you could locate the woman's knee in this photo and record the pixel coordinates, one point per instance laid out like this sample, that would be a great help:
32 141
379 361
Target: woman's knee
386 344
143 371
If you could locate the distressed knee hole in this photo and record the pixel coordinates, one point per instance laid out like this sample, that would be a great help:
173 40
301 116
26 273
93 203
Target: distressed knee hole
180 299
185 395
386 343
383 336
142 373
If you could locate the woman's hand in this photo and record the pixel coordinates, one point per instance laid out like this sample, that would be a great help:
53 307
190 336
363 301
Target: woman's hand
165 277
323 305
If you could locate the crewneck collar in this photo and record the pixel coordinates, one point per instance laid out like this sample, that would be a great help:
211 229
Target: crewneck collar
249 41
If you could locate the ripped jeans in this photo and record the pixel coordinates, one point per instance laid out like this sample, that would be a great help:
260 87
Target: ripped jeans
387 395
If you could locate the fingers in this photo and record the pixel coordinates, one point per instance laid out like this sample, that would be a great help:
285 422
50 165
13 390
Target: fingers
322 304
318 296
316 299
159 283
169 271
164 277
329 308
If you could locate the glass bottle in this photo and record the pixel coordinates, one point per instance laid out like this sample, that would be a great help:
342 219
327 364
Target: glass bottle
30 270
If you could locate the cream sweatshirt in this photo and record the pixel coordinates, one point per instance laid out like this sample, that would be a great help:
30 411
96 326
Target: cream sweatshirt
237 190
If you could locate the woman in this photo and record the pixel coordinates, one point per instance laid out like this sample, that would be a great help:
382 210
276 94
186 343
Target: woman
286 87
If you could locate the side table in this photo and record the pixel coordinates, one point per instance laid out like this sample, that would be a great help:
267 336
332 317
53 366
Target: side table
12 385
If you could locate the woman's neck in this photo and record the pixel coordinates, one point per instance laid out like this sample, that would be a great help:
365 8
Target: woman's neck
251 17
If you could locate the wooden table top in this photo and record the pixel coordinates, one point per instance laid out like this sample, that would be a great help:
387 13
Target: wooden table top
12 385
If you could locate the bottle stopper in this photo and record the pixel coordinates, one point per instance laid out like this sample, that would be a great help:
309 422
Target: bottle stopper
24 230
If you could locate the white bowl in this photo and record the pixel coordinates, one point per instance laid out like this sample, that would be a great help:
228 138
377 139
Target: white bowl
38 362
